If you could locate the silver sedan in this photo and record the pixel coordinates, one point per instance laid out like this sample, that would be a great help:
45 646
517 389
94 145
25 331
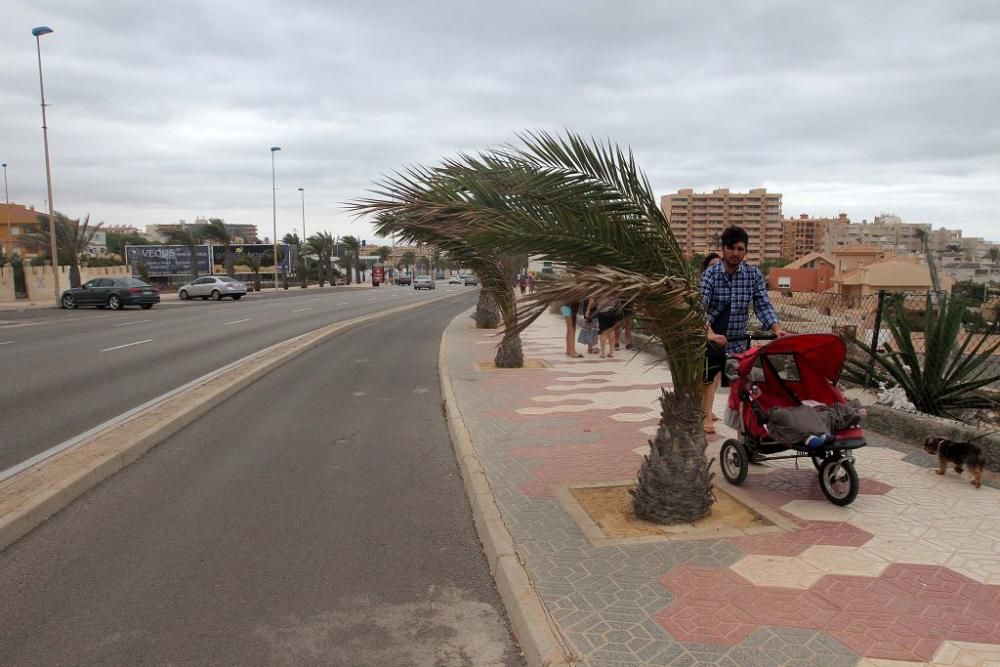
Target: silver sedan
213 287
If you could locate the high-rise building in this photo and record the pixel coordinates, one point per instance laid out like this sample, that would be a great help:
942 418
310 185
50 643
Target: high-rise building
697 220
803 235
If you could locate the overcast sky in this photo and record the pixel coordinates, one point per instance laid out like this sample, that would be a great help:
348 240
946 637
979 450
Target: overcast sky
161 111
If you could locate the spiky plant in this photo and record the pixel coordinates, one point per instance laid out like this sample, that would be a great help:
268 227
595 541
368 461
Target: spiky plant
589 207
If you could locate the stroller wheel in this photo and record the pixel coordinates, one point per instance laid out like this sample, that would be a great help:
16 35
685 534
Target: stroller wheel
734 461
839 481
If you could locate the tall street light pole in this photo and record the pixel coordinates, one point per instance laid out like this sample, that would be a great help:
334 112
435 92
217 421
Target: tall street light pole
305 266
38 32
6 199
274 213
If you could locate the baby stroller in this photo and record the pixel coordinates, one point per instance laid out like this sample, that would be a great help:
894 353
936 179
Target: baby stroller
786 373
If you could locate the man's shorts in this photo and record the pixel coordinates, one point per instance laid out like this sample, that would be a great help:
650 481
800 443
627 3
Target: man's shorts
715 362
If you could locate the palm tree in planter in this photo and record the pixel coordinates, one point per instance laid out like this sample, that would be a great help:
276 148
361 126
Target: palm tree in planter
190 238
215 230
72 239
588 206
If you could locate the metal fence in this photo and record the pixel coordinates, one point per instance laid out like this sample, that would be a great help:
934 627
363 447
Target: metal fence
863 322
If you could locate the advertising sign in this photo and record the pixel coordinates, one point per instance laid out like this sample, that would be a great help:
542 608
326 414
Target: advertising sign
378 274
263 251
166 260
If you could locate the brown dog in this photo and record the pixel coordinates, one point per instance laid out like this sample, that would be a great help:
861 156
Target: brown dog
961 454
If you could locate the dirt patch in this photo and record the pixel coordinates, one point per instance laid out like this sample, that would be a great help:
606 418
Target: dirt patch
528 363
610 508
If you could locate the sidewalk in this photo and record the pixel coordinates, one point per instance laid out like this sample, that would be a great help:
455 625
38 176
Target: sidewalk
908 574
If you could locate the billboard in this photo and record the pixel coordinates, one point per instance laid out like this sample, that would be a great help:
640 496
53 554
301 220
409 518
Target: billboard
166 260
263 251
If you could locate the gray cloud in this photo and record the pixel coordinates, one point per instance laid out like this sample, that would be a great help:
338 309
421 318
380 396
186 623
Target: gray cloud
162 111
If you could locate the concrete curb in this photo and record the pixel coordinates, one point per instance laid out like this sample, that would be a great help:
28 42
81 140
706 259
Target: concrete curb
35 494
541 642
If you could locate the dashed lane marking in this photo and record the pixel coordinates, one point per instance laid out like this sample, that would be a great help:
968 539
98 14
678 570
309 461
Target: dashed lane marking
118 347
126 324
246 319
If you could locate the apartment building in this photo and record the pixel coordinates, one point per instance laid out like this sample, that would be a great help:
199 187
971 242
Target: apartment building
16 221
804 235
697 220
887 232
241 233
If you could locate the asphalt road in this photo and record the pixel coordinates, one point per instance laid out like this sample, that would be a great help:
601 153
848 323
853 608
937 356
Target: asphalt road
64 372
317 517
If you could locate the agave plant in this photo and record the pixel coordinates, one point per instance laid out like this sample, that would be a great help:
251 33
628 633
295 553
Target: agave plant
589 207
945 377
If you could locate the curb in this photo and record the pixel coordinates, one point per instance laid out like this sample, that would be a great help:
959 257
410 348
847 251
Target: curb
38 492
541 643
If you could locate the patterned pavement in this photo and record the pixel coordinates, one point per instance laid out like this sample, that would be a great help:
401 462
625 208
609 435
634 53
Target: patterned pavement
909 574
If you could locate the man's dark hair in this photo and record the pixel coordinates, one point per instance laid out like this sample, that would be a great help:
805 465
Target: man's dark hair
732 235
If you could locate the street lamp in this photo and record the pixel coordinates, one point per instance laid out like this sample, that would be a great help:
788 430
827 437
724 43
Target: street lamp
274 212
6 199
38 32
305 261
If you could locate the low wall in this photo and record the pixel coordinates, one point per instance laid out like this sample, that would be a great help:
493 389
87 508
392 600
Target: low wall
914 428
7 284
38 279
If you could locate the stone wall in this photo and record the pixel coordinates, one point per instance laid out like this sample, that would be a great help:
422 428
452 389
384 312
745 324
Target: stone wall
38 279
6 284
914 428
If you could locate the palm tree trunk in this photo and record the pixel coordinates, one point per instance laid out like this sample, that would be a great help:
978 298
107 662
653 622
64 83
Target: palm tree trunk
74 274
675 481
227 260
509 353
194 262
487 312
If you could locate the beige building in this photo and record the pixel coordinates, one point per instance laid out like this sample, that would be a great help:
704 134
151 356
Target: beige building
804 235
697 220
852 257
886 232
895 274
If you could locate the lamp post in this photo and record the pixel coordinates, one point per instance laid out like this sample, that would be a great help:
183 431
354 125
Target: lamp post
38 32
6 199
305 260
274 213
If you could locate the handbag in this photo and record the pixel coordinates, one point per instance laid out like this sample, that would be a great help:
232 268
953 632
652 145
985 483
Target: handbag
587 336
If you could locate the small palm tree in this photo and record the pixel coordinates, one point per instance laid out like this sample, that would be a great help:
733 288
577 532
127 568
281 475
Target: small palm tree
190 238
72 239
407 260
588 206
321 246
215 230
383 253
994 254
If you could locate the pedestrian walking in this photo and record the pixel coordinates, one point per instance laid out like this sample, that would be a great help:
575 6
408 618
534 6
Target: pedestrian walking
569 312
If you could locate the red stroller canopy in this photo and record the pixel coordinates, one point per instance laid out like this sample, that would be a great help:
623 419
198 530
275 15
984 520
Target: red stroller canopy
822 353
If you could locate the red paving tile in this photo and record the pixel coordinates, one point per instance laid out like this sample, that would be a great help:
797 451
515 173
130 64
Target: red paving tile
794 542
904 614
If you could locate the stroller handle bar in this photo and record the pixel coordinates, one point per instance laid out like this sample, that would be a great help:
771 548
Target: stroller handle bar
760 335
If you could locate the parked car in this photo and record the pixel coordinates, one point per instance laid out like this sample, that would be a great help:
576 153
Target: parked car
113 293
423 282
470 279
403 279
455 280
213 287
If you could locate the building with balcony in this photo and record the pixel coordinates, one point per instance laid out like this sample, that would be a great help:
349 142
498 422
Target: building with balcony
16 222
804 235
697 220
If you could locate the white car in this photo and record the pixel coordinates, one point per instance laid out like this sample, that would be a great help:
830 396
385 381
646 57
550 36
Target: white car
213 287
455 280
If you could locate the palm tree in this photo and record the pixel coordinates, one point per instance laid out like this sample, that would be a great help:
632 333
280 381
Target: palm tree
588 206
994 254
293 239
190 238
353 246
215 230
321 245
923 235
72 239
407 260
383 253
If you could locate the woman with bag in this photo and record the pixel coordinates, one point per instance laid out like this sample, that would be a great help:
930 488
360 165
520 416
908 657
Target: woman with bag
569 312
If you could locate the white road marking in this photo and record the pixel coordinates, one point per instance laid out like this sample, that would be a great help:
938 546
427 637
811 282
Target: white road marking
342 303
125 324
301 310
7 342
118 347
372 298
237 321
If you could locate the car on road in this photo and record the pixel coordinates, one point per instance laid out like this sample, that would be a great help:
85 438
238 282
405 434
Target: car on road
423 282
403 280
113 293
470 279
212 287
455 280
